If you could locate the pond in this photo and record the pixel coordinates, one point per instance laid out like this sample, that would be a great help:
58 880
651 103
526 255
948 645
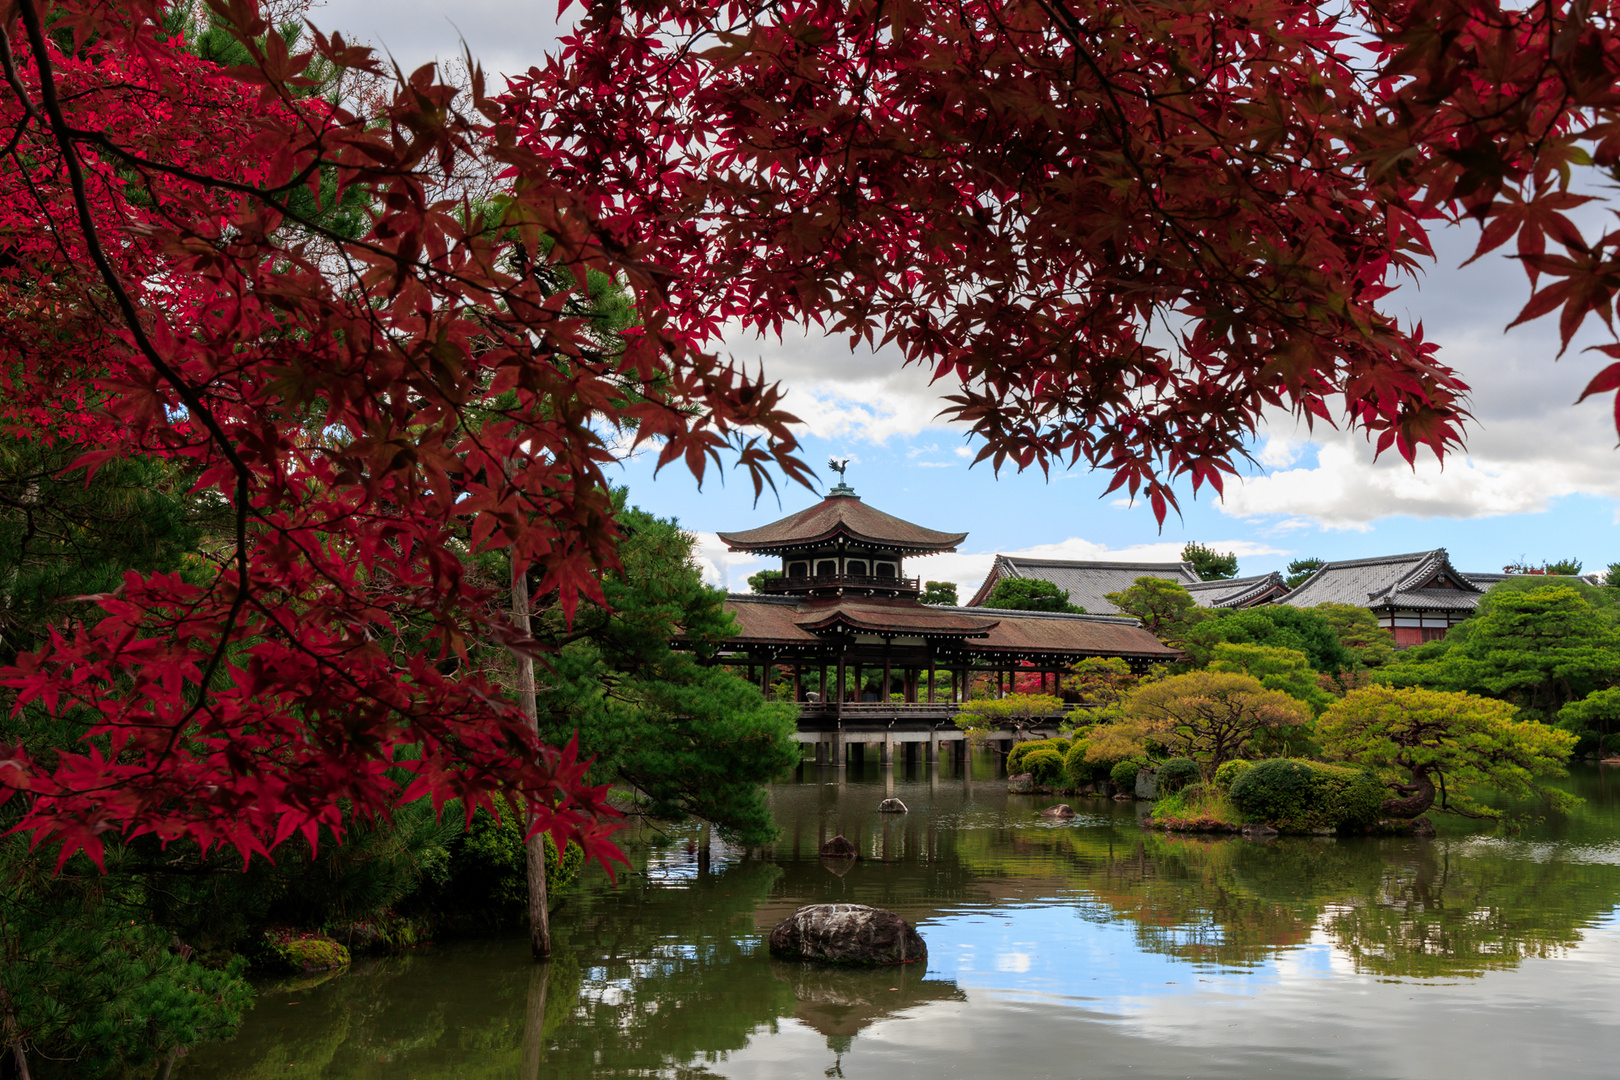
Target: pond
1074 949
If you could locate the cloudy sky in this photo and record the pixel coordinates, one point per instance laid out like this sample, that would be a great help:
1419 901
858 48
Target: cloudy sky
1540 480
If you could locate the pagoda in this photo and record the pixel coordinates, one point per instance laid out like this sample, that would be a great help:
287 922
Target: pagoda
846 608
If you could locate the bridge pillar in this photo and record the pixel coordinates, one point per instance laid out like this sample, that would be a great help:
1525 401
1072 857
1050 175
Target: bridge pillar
932 750
837 746
886 751
821 751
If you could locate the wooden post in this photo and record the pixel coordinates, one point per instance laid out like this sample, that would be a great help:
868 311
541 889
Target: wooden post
838 701
930 680
765 677
884 696
798 682
534 850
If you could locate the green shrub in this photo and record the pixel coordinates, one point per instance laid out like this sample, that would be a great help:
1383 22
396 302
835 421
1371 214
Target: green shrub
281 951
1124 775
1176 774
1301 796
1229 771
1046 766
1017 757
1078 770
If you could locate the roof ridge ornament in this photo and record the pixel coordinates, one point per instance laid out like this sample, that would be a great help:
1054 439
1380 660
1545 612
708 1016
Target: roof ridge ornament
841 489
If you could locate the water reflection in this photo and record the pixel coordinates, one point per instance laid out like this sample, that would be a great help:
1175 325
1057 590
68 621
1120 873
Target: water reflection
1095 921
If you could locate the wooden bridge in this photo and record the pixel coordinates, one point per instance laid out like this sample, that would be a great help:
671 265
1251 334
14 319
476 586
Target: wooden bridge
915 729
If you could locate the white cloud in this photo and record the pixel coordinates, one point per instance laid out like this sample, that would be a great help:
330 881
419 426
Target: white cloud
726 569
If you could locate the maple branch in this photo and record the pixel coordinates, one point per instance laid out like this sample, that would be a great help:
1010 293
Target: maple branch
132 319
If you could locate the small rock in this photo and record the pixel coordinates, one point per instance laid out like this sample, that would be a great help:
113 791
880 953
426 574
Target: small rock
1022 784
892 806
1259 832
1060 810
1324 832
1124 797
848 934
1423 827
838 848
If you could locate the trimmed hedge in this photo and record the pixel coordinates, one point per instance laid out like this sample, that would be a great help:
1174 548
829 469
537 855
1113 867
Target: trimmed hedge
1227 774
1176 774
1078 770
1303 796
1018 755
1124 776
1045 765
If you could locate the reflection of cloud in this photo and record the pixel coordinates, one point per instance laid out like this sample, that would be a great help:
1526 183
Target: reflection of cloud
1017 962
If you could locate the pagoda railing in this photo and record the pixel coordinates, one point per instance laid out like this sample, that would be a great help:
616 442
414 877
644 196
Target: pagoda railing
843 581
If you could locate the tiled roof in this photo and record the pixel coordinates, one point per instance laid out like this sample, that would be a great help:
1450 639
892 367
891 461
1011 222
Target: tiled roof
1389 581
1087 582
1237 592
791 620
842 515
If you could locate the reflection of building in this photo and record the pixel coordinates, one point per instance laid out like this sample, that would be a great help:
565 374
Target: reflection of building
845 610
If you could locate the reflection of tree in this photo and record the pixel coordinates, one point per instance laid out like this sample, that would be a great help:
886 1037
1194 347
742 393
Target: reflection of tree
1393 907
1442 913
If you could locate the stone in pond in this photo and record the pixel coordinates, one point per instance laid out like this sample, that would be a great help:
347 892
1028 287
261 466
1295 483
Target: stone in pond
1259 832
1022 784
838 848
848 934
1060 810
892 806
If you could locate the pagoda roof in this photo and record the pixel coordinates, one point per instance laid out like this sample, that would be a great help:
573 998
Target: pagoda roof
842 513
792 620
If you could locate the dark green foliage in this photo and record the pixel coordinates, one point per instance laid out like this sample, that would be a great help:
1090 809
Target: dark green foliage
940 593
1209 564
1277 626
1020 751
1045 765
1564 567
1540 646
296 954
1300 570
1031 594
1176 774
1167 610
756 582
690 738
1303 796
1611 576
1123 775
1227 774
1358 631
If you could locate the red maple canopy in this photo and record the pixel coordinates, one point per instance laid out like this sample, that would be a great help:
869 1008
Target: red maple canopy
1119 232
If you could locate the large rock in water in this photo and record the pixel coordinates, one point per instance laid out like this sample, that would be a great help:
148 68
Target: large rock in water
848 934
838 847
1022 784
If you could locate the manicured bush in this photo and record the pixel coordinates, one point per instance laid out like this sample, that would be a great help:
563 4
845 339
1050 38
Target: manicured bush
1077 770
1045 765
294 954
1017 757
1302 796
1124 775
1176 774
1229 771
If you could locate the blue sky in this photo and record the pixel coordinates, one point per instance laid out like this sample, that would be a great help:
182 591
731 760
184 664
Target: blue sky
1540 479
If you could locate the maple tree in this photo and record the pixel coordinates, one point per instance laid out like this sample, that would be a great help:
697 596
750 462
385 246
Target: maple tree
374 404
1123 231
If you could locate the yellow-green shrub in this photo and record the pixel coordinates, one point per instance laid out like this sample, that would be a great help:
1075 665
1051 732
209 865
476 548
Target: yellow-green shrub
1229 771
1016 757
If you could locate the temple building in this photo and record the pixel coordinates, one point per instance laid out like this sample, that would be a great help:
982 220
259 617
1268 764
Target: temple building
1417 597
846 610
1089 583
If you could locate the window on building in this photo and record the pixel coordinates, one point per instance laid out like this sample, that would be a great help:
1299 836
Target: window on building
826 568
885 570
855 568
798 570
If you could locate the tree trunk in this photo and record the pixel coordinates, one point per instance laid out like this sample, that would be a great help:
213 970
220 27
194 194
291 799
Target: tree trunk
1416 797
535 846
21 1059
